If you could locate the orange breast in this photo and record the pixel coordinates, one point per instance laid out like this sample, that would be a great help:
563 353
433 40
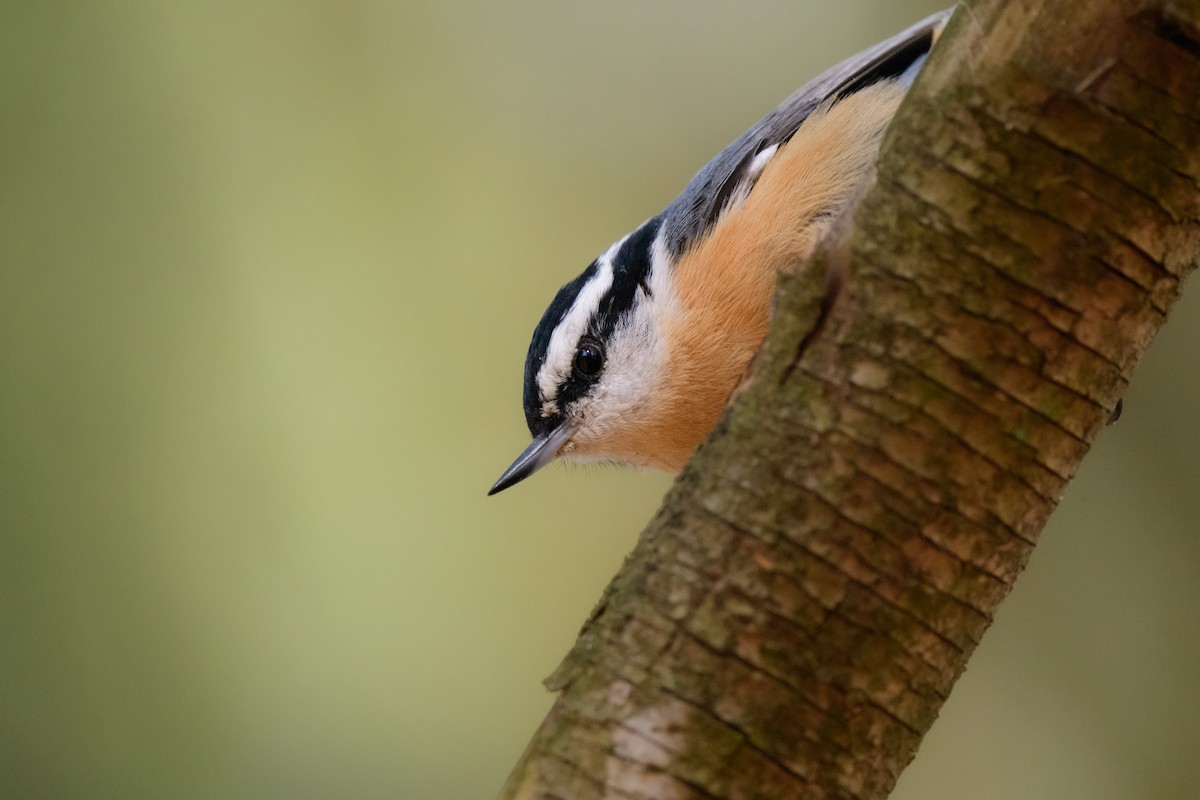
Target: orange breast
725 282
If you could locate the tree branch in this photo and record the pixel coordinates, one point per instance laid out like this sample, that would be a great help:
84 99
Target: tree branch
793 618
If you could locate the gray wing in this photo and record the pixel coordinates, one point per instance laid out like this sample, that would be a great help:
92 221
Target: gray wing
701 202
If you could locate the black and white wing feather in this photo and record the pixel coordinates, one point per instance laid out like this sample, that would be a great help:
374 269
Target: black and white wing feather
734 169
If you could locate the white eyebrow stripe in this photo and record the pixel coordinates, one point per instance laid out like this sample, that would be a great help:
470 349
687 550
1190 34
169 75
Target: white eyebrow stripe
560 353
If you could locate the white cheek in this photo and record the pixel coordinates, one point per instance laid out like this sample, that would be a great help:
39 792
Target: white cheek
624 396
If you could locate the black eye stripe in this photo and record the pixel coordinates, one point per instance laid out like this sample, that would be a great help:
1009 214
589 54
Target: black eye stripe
540 343
631 271
630 274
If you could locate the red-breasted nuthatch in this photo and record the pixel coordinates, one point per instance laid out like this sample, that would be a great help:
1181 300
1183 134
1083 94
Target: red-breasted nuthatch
636 358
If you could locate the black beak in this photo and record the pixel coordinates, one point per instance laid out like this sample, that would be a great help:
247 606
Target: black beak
541 451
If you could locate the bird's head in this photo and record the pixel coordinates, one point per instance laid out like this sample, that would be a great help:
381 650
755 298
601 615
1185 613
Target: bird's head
596 364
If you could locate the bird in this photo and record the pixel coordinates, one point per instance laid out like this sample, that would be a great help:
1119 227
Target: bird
636 358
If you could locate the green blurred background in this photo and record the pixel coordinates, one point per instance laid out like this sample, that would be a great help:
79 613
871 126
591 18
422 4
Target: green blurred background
267 275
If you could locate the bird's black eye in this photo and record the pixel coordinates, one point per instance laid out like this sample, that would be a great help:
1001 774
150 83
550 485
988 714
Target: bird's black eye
589 360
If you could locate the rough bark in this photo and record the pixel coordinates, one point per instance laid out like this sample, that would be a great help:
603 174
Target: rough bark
793 618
